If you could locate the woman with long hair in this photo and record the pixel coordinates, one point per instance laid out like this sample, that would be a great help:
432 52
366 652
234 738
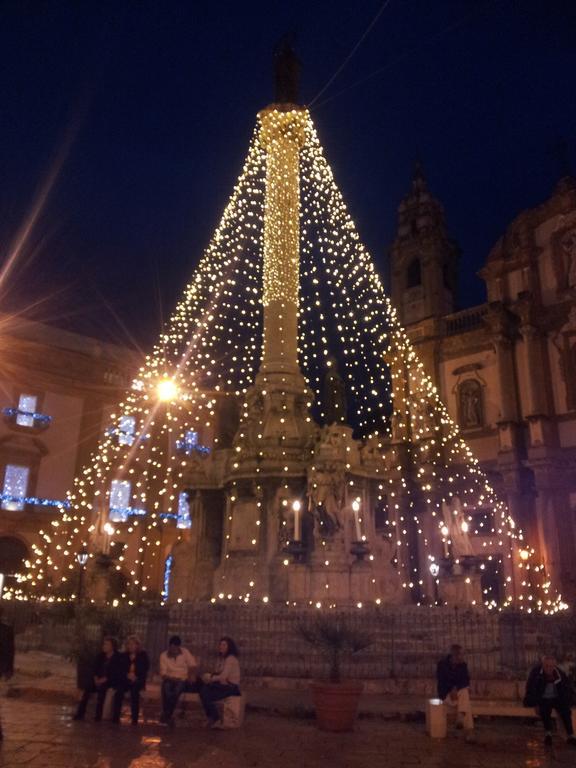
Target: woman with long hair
224 682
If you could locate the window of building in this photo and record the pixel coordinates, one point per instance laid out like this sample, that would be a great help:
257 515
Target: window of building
126 430
414 274
15 487
26 409
183 519
119 501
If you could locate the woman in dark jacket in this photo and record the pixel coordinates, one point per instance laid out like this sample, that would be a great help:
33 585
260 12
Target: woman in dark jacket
105 675
134 666
548 688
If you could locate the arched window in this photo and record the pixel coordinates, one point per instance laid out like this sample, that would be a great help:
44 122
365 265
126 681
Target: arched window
414 274
470 404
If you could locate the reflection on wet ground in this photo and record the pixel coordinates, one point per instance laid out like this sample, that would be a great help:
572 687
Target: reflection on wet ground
42 735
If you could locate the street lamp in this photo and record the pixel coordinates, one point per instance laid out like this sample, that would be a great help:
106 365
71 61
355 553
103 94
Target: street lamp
81 559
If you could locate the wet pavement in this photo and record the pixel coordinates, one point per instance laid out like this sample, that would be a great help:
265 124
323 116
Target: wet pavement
42 735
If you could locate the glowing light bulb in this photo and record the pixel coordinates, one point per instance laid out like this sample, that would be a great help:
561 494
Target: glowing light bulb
166 390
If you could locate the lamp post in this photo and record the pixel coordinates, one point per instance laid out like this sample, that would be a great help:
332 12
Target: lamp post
295 547
359 548
81 559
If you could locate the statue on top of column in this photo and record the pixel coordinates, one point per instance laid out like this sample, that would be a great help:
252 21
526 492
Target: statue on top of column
286 73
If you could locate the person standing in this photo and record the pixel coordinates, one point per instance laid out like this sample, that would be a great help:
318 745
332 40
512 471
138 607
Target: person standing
549 688
6 655
134 666
105 675
453 681
223 683
178 671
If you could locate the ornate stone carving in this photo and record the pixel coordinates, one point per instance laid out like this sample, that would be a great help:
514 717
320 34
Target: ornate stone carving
470 404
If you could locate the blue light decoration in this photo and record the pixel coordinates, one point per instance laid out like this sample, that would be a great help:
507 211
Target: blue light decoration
189 444
120 509
35 501
125 431
39 419
183 518
169 562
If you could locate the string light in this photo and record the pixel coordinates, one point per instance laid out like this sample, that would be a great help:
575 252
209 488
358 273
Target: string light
287 250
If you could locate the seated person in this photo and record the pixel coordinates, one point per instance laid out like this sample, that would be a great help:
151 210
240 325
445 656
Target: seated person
548 688
453 681
134 666
105 675
223 683
178 672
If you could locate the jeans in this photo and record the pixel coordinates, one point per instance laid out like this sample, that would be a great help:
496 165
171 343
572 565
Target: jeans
134 689
100 691
171 691
545 709
213 692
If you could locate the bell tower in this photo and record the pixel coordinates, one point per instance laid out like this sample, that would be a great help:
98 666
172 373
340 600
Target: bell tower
424 259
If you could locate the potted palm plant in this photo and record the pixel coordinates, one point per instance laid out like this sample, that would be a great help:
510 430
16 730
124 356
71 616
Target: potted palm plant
335 700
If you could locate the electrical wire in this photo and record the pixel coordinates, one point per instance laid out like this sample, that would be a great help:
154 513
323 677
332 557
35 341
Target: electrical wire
352 52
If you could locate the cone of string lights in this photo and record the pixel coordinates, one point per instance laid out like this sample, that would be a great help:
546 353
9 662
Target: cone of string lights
133 490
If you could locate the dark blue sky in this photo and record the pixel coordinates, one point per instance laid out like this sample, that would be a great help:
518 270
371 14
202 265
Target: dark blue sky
157 101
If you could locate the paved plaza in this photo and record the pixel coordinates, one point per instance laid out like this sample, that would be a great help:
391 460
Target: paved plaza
40 735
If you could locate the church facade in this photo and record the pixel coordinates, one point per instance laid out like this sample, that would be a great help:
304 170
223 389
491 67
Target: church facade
506 369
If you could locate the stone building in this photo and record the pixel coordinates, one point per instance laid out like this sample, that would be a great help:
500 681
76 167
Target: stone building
506 369
57 392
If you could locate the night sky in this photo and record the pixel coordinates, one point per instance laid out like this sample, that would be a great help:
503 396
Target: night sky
147 108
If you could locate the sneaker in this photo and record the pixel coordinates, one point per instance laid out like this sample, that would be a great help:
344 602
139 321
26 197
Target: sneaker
548 740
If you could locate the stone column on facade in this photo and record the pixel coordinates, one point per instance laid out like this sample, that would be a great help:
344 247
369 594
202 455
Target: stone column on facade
535 385
556 528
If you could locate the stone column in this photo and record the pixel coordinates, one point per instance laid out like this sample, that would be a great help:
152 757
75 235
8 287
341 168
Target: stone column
282 134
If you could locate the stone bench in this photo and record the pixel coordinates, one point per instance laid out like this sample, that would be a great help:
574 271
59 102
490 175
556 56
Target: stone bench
437 716
232 708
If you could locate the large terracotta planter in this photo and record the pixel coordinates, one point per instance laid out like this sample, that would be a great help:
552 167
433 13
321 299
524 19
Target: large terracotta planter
336 704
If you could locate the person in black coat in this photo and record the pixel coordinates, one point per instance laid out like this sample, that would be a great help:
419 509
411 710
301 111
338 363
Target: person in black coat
453 681
6 654
134 666
548 688
105 675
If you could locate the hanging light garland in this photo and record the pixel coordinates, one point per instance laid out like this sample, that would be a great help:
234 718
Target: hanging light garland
211 351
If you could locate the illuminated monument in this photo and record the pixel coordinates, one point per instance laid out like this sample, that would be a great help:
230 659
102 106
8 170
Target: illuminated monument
282 443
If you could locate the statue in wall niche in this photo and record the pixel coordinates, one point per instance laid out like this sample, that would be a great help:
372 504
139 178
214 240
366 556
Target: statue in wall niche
326 491
385 553
334 395
470 403
371 453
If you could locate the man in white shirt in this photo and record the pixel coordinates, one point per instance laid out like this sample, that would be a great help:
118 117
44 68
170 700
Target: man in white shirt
177 668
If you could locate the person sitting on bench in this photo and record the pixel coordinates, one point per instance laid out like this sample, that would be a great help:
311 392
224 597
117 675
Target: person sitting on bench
223 683
453 681
105 674
134 671
548 688
178 672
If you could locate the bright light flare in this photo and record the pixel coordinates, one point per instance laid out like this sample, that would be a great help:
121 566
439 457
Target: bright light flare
166 390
